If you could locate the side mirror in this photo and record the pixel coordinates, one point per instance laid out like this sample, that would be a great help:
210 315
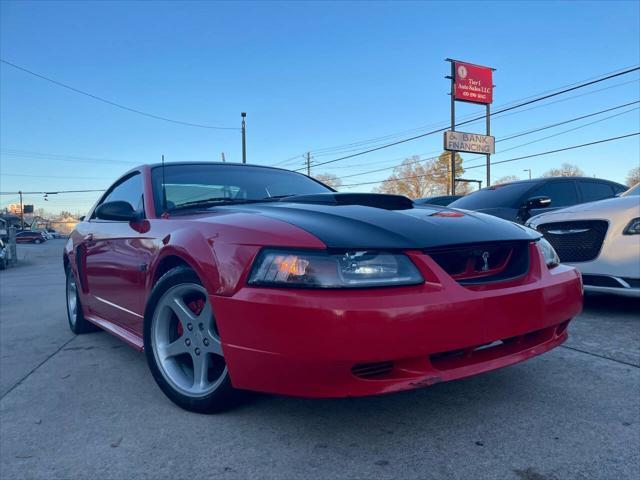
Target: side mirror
119 211
537 202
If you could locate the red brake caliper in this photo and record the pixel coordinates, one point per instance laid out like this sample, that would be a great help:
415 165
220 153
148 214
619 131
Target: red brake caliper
196 307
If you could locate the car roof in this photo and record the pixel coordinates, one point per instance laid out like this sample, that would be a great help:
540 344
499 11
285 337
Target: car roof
557 179
236 164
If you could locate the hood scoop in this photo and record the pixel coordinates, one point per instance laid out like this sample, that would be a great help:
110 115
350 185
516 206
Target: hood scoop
375 200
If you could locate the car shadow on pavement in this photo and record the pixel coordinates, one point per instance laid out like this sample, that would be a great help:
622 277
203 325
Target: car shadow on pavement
607 304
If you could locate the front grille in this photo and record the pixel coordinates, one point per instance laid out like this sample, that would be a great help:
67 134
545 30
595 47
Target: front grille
577 241
484 353
372 370
483 263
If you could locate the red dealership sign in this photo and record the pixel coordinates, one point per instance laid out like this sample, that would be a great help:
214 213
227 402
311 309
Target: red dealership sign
473 83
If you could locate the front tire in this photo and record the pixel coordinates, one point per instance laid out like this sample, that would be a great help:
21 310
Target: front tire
183 346
37 241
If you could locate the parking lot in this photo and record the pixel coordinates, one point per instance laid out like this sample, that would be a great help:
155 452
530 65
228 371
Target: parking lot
87 407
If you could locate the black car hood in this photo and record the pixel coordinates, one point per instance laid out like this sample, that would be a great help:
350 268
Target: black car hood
345 222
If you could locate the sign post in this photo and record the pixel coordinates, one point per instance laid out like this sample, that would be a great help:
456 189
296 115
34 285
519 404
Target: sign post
473 84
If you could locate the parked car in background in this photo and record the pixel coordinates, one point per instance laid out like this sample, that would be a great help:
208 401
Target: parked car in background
3 255
53 232
27 236
601 239
519 201
233 276
45 234
442 200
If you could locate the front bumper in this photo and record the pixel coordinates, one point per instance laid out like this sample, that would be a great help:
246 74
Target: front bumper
322 343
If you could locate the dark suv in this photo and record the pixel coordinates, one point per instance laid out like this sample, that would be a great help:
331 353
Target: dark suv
518 201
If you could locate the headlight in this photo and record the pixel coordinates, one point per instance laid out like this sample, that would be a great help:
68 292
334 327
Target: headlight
632 228
352 269
550 256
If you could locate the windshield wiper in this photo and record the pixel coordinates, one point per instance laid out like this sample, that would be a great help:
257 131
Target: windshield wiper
211 201
225 201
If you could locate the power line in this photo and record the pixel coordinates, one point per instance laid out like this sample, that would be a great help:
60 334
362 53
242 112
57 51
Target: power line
560 149
51 176
505 161
582 117
562 132
114 104
522 104
323 151
55 156
50 192
499 117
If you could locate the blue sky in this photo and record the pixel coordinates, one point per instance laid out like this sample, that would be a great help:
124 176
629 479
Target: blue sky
309 74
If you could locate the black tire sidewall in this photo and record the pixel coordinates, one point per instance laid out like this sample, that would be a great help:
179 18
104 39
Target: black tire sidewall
225 396
82 325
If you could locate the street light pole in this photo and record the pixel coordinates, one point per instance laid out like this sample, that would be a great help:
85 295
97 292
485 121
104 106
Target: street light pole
244 137
21 211
528 170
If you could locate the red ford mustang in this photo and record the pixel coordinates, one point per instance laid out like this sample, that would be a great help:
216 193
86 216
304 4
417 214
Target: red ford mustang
236 277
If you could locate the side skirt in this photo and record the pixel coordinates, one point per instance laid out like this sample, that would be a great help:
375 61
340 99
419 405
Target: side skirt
128 337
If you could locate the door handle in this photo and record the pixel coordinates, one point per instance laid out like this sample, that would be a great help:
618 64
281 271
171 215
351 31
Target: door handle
88 237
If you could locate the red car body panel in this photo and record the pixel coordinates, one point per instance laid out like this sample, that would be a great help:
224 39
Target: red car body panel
306 342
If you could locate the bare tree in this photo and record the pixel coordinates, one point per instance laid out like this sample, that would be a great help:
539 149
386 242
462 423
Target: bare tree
506 179
565 170
416 179
329 179
633 176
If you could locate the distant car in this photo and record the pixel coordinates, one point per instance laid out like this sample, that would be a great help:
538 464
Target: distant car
442 200
3 255
519 201
45 234
53 232
601 239
27 236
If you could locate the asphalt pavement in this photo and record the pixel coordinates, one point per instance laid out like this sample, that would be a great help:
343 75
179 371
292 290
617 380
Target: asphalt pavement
86 407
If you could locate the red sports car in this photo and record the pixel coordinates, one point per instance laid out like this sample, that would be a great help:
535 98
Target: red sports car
236 277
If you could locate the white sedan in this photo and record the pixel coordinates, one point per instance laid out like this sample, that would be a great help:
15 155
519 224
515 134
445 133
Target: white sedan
601 239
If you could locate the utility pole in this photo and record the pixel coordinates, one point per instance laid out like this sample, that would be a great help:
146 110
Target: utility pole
453 127
244 137
308 164
21 212
488 154
528 170
223 159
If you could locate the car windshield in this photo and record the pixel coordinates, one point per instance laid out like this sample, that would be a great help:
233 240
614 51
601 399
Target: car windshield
635 190
195 185
492 197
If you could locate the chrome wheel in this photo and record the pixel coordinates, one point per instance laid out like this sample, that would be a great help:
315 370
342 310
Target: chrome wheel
72 299
185 342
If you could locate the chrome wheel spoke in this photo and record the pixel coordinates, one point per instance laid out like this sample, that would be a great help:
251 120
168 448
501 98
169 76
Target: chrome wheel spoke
214 347
200 370
175 348
184 314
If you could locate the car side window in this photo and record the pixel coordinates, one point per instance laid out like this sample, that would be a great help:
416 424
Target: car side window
592 191
128 190
562 194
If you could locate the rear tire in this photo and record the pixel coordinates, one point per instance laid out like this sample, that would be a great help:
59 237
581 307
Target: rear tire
75 315
183 346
